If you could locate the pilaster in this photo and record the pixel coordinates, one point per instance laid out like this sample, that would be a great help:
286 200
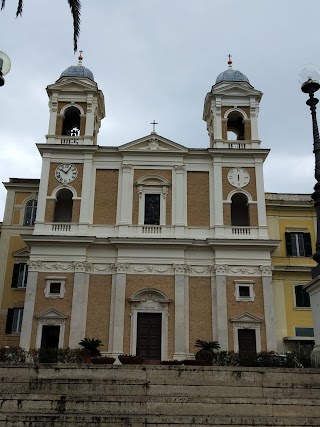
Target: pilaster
217 196
268 304
79 305
116 328
181 313
222 313
28 311
179 196
43 190
86 208
126 189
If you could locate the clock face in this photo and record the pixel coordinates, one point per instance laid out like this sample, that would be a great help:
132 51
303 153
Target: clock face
238 177
66 173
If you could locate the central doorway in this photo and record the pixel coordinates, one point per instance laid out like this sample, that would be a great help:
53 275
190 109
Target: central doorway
50 336
247 341
149 335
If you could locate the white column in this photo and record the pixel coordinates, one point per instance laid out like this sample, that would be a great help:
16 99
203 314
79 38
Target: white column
222 314
262 216
126 194
280 314
214 309
89 116
28 310
181 316
78 319
254 111
42 195
216 111
86 193
269 308
53 114
179 196
116 328
218 197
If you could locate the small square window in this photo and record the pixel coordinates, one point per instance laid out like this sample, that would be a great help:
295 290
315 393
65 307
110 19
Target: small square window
244 290
55 288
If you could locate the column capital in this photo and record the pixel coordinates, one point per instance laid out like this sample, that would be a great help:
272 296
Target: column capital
126 167
179 168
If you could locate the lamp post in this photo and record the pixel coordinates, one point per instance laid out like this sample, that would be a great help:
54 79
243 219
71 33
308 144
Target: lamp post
310 87
309 77
5 65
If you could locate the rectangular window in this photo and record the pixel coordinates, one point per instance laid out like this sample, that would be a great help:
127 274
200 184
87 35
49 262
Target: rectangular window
152 209
55 288
14 320
301 296
19 275
298 244
304 332
244 291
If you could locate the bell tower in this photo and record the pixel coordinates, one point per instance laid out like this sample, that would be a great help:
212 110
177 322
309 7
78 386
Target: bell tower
76 107
231 111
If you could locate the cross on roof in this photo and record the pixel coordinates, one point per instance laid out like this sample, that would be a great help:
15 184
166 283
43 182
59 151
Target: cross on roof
154 125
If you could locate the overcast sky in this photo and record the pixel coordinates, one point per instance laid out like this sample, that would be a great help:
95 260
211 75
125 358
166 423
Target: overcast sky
157 59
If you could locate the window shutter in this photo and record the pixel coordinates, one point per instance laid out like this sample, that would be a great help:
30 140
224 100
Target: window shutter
288 244
26 276
307 245
9 321
15 275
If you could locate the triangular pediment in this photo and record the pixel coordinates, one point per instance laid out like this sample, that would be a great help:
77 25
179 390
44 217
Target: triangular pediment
153 143
52 313
72 85
234 89
246 318
21 253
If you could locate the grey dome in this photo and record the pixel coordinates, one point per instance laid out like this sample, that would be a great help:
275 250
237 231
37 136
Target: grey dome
77 71
232 75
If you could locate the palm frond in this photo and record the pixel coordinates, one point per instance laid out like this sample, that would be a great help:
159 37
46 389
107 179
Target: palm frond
3 3
75 6
19 8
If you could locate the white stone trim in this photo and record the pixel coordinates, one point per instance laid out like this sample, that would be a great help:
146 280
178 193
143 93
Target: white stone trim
63 187
72 104
249 284
238 110
150 300
242 191
246 321
51 317
49 280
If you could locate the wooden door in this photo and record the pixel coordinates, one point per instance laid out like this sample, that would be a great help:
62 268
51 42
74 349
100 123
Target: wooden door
247 341
50 336
149 335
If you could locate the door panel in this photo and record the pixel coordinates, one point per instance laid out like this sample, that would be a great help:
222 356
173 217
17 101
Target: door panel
247 341
149 335
50 336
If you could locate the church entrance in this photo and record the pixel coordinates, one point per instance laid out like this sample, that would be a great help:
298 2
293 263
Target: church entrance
50 336
247 341
149 335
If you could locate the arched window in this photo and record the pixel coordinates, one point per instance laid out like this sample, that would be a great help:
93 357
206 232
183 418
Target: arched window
30 212
235 126
239 210
63 208
71 122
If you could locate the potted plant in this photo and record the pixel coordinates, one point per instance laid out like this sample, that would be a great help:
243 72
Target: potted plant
103 360
91 346
130 359
206 354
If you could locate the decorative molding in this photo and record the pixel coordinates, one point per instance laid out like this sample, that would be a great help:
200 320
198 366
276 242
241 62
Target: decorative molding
244 270
57 266
34 265
289 197
179 168
120 267
126 167
266 270
151 269
102 268
221 270
82 267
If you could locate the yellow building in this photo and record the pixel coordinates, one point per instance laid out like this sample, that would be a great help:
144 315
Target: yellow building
292 220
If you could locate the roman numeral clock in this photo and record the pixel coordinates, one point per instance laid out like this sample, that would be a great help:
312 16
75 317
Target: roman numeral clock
66 173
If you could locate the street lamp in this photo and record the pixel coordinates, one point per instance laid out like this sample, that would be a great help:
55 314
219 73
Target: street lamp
309 77
5 65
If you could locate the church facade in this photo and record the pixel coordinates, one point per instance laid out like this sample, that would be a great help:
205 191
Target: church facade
148 246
